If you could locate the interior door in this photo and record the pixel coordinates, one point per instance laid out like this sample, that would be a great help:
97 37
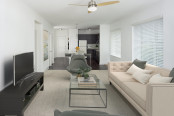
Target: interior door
61 46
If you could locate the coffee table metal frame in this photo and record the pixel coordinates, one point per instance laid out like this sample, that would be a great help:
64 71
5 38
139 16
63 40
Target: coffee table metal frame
97 88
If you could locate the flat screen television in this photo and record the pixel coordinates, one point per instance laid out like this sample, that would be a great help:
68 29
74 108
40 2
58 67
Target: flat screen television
23 65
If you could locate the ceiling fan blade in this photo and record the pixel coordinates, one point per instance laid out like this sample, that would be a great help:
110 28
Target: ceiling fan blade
108 3
89 12
77 5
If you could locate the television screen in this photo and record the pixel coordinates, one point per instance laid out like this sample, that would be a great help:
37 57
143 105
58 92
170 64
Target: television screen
23 65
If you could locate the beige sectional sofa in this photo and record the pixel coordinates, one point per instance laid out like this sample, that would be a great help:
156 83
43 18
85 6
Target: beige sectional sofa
148 99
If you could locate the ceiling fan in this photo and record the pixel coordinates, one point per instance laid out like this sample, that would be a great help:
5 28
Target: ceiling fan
92 5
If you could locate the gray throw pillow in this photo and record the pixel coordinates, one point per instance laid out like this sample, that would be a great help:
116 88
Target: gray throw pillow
57 113
172 75
139 63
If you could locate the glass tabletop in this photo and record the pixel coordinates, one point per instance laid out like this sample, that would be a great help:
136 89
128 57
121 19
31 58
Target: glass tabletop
75 85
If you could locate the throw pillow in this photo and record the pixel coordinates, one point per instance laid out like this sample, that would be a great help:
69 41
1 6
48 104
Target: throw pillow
57 113
140 64
141 77
160 79
172 75
134 69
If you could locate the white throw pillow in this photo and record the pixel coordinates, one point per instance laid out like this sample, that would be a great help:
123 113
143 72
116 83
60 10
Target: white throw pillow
134 69
141 77
160 79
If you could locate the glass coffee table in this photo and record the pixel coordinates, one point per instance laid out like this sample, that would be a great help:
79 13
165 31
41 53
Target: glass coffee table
74 86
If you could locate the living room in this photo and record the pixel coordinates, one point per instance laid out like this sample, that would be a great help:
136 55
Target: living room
30 26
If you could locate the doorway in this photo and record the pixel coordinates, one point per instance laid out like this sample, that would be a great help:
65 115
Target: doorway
61 46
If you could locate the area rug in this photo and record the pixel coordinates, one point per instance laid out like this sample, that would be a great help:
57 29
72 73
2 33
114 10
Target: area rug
56 96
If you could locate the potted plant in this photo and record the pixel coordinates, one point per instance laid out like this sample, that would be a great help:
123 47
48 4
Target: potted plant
83 73
79 73
86 77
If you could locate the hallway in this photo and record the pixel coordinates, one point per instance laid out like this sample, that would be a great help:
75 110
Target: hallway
62 62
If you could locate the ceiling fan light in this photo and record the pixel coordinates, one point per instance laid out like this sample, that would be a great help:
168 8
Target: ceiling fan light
92 8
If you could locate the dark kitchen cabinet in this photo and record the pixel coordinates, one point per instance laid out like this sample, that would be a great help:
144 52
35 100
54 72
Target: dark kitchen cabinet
91 38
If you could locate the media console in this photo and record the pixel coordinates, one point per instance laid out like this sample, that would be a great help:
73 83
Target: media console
15 99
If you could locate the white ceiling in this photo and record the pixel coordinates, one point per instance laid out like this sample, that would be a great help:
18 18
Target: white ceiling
58 12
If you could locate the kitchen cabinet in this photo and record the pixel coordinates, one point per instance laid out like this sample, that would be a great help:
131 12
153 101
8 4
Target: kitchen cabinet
91 38
97 56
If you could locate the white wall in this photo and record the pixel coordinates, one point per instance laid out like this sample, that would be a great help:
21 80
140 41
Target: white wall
104 43
70 33
17 34
73 39
168 33
58 35
126 23
163 9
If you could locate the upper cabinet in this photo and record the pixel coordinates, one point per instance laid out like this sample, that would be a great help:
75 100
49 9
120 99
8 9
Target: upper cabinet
91 38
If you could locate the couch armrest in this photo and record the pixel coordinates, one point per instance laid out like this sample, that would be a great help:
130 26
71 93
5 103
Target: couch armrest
119 66
160 99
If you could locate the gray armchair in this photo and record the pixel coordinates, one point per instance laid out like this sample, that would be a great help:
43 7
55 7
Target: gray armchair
78 62
81 113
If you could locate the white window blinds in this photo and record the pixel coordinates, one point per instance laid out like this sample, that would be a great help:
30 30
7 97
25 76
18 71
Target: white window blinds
116 43
148 42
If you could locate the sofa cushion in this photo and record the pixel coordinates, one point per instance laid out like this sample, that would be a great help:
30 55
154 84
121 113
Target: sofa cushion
136 91
139 63
121 76
119 66
157 70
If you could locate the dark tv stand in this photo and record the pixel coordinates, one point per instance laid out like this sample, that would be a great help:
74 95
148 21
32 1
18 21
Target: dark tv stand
15 99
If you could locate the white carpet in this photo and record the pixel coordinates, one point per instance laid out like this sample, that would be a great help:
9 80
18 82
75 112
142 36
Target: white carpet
56 96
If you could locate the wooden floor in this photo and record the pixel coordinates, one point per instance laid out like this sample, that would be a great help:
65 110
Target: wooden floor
62 62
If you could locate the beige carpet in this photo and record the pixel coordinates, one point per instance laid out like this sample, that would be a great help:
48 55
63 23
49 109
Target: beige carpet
56 96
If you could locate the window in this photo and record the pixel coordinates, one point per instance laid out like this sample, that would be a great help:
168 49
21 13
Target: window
116 43
148 42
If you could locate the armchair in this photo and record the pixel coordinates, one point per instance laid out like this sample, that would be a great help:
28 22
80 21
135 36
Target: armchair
77 62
